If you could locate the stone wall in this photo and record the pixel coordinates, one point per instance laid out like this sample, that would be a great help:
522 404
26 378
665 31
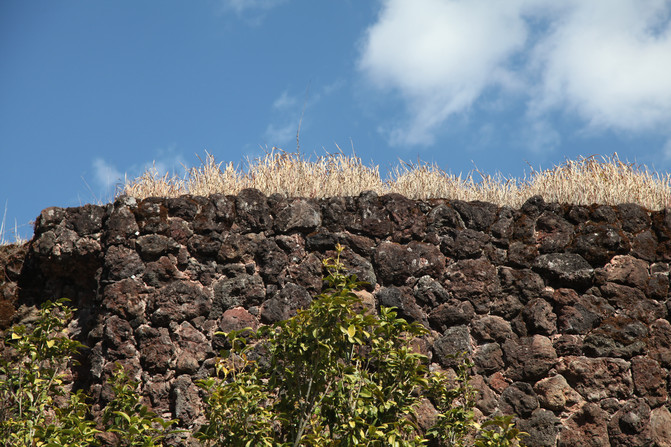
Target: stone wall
563 309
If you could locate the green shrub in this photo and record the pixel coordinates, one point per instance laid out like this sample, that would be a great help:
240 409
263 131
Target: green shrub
335 376
32 382
35 408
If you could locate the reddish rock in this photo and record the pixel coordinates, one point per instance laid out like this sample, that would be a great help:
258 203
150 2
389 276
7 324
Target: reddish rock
237 319
597 379
660 426
649 381
626 270
539 317
554 393
587 427
192 347
529 358
659 342
126 298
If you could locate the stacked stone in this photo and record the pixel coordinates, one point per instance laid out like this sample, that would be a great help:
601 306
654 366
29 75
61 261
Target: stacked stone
563 308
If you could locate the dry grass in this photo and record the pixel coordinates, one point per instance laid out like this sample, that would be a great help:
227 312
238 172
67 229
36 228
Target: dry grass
602 180
5 239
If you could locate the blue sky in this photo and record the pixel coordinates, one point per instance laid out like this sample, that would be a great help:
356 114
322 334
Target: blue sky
93 90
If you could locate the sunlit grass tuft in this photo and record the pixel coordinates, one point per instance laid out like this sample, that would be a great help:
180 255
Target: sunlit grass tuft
4 238
588 180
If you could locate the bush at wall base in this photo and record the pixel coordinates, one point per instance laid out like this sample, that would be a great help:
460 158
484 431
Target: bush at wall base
333 375
35 409
336 375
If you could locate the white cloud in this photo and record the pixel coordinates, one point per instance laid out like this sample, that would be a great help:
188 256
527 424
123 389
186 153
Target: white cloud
440 55
281 135
285 101
666 150
242 6
608 62
107 176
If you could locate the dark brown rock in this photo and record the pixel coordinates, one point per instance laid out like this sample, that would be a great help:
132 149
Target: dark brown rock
156 348
488 358
236 247
299 215
186 403
599 242
521 254
451 313
373 216
443 219
523 283
429 293
633 302
520 399
86 220
204 247
285 303
403 301
644 246
252 211
476 215
454 342
242 290
395 262
492 328
192 347
121 263
553 233
272 260
565 269
126 298
179 301
153 246
474 280
619 337
467 244
151 215
542 427
634 217
409 221
630 425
